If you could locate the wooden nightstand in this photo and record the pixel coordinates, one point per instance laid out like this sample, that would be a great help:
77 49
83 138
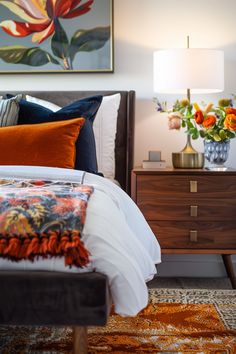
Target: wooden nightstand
190 211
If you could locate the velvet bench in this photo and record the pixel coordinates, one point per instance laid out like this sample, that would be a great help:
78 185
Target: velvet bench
40 298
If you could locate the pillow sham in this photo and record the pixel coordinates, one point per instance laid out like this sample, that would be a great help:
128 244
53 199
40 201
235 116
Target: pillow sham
9 110
105 127
46 144
43 103
86 159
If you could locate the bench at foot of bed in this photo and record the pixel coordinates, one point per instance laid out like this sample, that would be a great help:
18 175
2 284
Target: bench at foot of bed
41 298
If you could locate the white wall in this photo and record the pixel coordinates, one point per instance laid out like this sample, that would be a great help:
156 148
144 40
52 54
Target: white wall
140 27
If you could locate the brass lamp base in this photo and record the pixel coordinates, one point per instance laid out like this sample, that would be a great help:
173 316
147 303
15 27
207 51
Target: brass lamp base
188 157
187 160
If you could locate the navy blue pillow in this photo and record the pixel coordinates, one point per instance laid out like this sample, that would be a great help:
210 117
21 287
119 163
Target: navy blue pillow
86 159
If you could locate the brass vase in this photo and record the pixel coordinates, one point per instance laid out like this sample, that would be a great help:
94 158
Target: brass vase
188 157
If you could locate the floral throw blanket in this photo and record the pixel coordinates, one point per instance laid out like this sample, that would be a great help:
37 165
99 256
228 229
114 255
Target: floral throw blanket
43 218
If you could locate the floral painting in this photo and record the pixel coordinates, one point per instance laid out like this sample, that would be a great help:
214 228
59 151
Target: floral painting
56 35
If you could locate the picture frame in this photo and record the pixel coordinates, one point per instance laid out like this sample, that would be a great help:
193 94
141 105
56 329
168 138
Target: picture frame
54 37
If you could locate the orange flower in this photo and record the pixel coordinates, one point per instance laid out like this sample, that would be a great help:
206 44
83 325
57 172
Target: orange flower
39 16
209 121
230 110
230 122
199 117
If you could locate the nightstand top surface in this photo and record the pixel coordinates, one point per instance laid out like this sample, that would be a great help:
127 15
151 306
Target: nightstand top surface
179 171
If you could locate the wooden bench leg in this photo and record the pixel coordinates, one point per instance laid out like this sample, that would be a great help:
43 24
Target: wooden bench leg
229 268
80 344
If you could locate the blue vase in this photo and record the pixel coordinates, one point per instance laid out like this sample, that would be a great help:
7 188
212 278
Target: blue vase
216 153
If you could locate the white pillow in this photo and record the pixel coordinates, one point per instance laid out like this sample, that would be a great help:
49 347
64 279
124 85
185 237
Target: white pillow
43 103
105 126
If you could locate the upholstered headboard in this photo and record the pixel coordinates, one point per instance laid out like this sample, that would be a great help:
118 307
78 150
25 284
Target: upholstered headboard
124 145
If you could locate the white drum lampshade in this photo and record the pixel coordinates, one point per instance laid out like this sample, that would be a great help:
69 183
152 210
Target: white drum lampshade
200 70
181 71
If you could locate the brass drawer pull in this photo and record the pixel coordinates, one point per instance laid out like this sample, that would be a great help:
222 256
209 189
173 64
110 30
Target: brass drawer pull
193 186
193 210
193 235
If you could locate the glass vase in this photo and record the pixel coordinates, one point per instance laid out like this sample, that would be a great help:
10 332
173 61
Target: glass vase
216 153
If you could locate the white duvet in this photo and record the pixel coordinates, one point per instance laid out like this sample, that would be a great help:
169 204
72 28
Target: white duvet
121 243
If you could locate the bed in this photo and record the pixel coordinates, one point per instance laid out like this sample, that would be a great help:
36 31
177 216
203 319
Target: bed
59 298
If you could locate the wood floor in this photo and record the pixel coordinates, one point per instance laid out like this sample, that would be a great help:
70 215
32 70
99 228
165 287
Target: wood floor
190 283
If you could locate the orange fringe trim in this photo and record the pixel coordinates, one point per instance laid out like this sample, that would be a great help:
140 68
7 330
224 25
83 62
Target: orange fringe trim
52 243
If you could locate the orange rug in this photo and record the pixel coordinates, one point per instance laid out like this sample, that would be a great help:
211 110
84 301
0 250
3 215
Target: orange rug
175 321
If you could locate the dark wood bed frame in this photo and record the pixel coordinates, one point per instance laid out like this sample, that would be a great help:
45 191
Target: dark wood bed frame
66 299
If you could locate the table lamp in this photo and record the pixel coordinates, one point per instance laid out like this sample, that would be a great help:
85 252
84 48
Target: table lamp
181 71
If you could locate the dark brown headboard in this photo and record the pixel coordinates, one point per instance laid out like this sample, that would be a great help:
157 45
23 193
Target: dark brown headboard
124 147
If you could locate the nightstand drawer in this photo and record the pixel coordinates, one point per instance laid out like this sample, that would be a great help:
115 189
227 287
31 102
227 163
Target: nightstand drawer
194 235
186 185
185 209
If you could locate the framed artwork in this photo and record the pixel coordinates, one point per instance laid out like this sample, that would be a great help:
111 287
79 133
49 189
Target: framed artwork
61 36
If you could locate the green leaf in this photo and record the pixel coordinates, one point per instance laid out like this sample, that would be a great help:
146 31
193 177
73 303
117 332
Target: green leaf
89 40
190 125
230 135
222 134
202 133
192 130
28 56
216 137
60 42
195 135
189 109
210 132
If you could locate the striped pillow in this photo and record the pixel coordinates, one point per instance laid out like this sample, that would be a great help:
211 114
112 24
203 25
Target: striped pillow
9 111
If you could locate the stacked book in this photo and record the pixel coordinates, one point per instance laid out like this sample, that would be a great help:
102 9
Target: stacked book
154 161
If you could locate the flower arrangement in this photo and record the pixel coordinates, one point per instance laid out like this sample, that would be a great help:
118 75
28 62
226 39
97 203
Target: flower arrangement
215 123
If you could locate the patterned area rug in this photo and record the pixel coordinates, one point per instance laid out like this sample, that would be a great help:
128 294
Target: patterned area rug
175 321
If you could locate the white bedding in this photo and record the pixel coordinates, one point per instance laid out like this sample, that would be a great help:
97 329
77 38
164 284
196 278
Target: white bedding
121 243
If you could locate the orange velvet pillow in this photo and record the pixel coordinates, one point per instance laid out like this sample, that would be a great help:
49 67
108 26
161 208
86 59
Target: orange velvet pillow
45 144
